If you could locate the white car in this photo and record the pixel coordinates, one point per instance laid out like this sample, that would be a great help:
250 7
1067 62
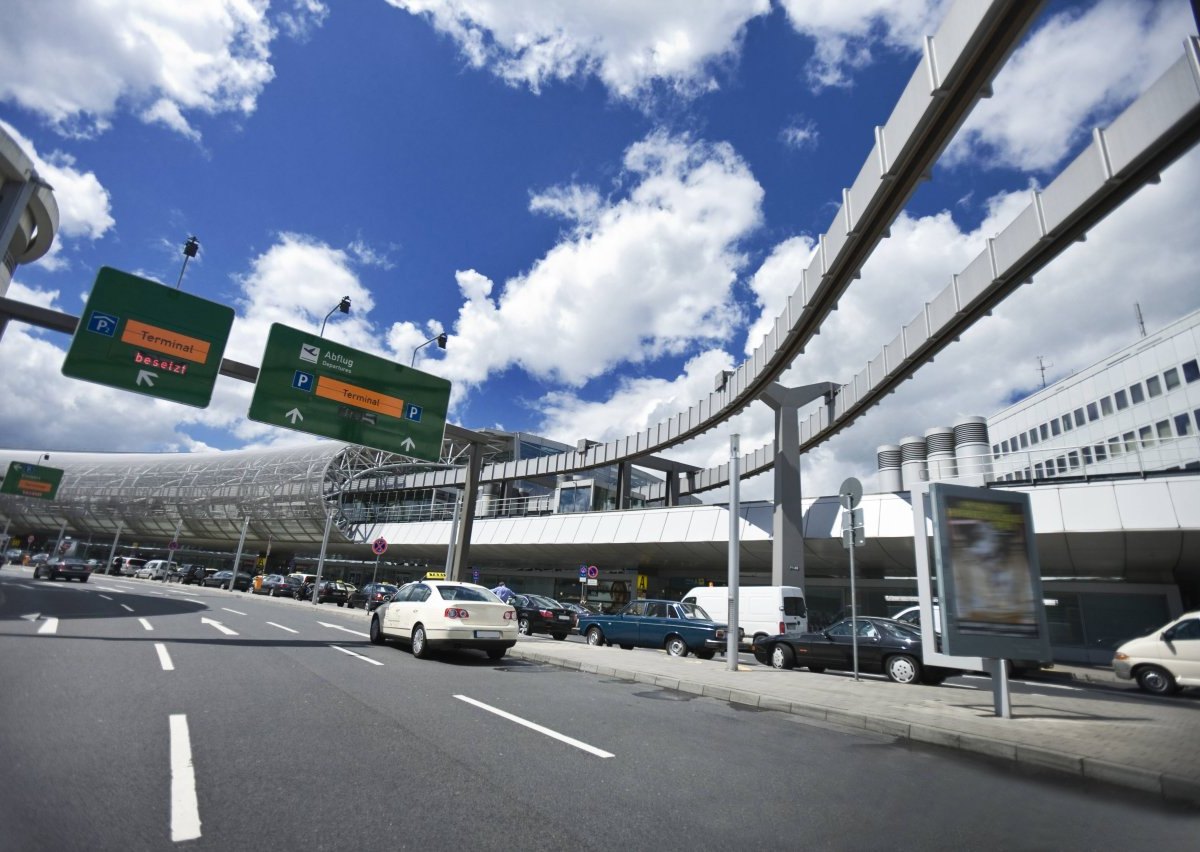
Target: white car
1165 660
432 614
155 569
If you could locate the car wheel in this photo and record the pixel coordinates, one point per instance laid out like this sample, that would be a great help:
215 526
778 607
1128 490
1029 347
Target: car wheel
903 669
341 603
706 654
595 636
376 632
420 645
523 626
676 647
83 579
783 657
560 636
1156 681
495 653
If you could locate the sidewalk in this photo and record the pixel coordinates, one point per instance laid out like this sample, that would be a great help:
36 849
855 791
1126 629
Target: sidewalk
1150 746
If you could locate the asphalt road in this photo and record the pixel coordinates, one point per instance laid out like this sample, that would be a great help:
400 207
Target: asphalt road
136 722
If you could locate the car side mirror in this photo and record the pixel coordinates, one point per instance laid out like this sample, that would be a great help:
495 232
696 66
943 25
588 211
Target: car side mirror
1167 635
825 633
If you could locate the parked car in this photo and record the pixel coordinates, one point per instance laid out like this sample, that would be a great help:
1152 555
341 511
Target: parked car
577 609
885 646
39 559
762 610
126 566
155 569
540 614
1164 661
678 628
13 555
371 595
221 580
70 569
330 592
274 585
433 614
188 575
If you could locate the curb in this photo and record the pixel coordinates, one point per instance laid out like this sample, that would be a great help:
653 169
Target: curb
1170 788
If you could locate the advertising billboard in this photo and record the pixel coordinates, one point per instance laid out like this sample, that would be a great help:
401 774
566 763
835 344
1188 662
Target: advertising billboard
989 580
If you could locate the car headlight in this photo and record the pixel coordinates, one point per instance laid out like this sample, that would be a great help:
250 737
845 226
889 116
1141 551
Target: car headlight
1121 655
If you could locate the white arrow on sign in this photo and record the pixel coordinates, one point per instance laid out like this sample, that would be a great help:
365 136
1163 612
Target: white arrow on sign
345 629
407 443
147 377
294 415
219 626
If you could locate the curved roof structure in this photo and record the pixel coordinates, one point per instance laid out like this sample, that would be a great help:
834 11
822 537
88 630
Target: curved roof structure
35 224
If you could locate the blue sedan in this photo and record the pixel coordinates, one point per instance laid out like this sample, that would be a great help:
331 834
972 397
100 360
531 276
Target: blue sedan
678 628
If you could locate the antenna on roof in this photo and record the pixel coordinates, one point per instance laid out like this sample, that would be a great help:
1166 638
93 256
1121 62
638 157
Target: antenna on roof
1043 365
1137 310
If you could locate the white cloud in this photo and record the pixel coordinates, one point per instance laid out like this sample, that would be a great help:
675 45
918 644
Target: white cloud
76 62
637 277
305 17
1076 71
845 33
800 134
628 44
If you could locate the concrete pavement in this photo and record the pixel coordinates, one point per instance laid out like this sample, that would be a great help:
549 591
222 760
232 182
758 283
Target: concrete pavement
1148 744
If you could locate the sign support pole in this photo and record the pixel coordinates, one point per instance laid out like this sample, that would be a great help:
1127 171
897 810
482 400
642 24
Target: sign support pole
237 558
321 558
171 551
453 534
112 551
848 505
375 573
735 511
62 532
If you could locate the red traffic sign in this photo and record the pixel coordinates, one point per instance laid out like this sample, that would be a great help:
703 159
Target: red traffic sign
173 545
379 546
593 572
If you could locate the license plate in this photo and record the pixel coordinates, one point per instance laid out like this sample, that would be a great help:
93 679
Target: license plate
564 618
487 634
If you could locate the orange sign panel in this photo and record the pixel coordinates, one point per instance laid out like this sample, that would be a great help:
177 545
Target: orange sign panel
348 394
161 340
34 485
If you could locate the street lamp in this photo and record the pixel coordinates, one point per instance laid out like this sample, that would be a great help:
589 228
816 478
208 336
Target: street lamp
441 342
190 249
343 306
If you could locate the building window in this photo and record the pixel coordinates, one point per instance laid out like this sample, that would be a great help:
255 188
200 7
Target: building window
1154 386
1061 461
1087 456
1171 377
1147 436
995 449
1004 446
1106 406
1044 431
1164 429
1183 425
1135 393
1066 420
1121 399
1101 455
1114 447
1037 470
1033 436
1054 430
1073 459
1130 442
1093 411
1024 441
1079 418
1191 371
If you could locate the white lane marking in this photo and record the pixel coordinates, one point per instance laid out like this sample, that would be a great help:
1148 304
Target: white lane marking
50 625
163 657
960 686
281 627
343 629
234 611
185 808
106 597
127 607
32 616
145 624
219 626
108 589
352 654
536 727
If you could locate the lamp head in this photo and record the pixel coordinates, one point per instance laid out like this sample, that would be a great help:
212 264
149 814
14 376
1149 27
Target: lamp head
441 340
191 247
344 305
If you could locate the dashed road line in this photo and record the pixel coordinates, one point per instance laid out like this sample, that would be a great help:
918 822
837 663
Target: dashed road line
127 607
50 625
106 597
281 627
234 611
350 653
146 624
533 726
344 629
163 657
185 808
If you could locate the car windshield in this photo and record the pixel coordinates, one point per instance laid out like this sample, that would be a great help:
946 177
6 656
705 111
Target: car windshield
466 593
543 601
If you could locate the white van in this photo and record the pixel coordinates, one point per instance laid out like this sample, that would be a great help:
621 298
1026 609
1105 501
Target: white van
762 610
1164 661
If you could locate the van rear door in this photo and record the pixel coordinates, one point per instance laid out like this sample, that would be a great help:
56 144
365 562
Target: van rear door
795 613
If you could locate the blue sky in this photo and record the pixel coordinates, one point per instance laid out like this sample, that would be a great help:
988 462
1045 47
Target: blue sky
600 202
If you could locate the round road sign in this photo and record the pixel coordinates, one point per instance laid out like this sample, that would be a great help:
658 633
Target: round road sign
593 572
379 546
173 545
851 488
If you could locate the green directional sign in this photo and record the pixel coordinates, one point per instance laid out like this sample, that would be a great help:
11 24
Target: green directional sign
145 337
31 480
313 385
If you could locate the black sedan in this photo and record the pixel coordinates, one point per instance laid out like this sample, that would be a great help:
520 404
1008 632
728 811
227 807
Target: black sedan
221 580
276 586
187 575
885 646
540 614
371 596
70 569
330 592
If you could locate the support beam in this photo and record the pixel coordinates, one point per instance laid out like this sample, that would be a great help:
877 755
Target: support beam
466 520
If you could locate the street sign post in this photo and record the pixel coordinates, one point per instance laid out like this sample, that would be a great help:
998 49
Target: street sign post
31 480
379 546
850 495
313 385
142 336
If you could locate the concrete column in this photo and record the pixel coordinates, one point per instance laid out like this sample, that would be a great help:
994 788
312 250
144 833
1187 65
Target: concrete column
624 477
787 540
466 521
